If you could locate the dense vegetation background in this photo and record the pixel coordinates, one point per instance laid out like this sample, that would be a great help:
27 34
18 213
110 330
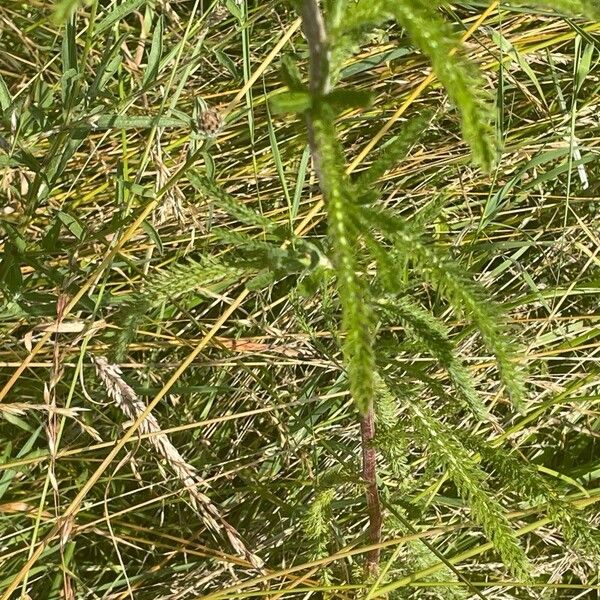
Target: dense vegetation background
176 416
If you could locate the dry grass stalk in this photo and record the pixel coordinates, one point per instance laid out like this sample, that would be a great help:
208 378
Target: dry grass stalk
132 406
21 408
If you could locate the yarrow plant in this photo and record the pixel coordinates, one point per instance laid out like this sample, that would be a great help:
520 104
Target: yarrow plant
361 230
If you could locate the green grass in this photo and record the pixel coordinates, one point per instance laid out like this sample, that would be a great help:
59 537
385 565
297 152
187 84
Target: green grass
101 200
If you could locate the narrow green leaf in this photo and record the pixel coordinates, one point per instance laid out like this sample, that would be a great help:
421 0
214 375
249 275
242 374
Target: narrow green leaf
374 61
8 475
300 178
10 270
234 9
118 13
72 224
135 122
277 156
226 61
50 240
69 65
153 235
209 165
508 48
111 59
290 102
5 97
67 81
143 191
155 54
584 65
16 238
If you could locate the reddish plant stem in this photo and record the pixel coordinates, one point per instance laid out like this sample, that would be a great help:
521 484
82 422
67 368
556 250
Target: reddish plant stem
313 25
369 456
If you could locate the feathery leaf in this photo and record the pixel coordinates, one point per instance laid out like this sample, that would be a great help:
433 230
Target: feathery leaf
356 313
460 290
169 283
446 450
212 191
436 39
434 337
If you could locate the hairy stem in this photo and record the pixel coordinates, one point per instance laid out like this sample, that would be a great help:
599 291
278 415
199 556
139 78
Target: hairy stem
313 26
369 472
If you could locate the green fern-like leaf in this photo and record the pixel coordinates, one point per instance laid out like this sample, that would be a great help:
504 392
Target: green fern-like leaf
430 213
317 527
360 14
446 450
436 39
238 239
525 478
389 156
386 408
334 11
212 191
418 558
463 82
356 312
461 291
434 337
180 279
348 27
317 521
392 442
